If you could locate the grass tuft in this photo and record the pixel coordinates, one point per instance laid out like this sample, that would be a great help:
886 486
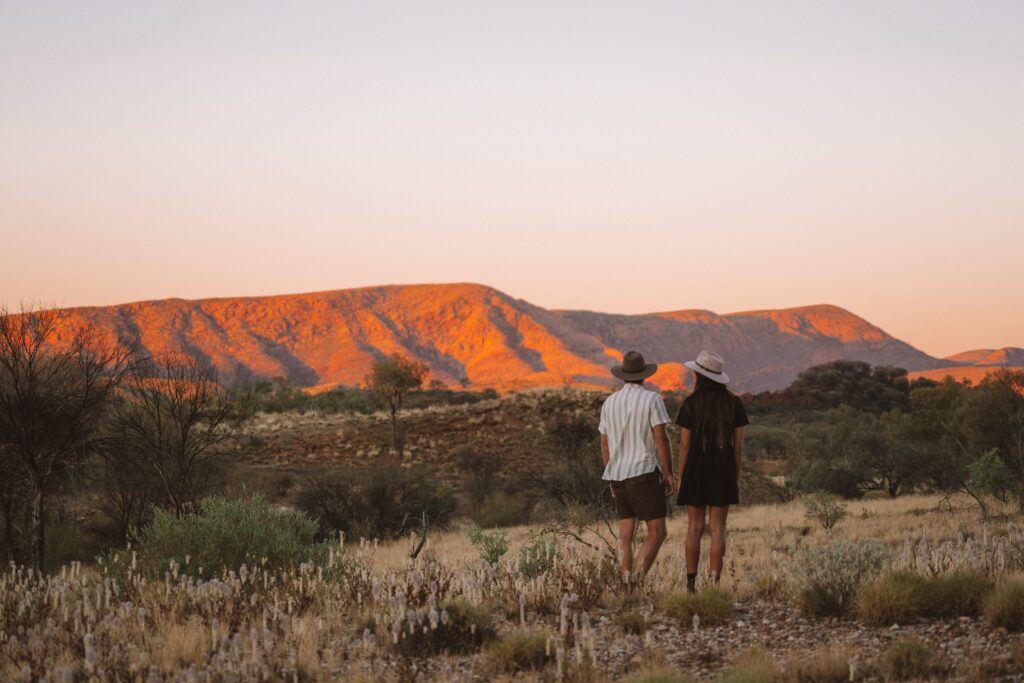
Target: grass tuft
658 675
631 622
517 652
824 665
1005 606
906 660
893 598
753 666
713 606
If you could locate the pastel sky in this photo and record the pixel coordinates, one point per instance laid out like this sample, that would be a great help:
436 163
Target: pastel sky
622 157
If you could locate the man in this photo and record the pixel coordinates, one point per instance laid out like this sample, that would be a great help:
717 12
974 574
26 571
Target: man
637 460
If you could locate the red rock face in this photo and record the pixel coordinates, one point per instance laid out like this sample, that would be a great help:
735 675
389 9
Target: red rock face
472 331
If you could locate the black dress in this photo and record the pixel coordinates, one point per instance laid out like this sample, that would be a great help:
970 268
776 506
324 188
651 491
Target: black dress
709 476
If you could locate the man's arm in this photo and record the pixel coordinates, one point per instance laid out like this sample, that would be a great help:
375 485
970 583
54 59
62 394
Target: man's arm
665 457
738 441
684 450
605 454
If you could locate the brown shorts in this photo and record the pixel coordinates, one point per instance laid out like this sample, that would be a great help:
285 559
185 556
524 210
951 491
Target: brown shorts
642 497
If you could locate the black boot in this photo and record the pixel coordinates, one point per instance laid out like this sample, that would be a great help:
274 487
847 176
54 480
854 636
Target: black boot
691 583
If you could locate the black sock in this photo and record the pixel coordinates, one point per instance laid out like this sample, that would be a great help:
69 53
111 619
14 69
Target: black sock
691 583
718 577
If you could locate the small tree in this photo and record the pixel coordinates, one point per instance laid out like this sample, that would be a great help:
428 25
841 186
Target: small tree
172 422
825 509
393 379
55 385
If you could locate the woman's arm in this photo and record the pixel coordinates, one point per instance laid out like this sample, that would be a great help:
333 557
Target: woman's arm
684 451
738 441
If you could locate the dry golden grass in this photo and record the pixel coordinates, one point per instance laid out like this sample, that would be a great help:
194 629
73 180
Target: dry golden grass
301 624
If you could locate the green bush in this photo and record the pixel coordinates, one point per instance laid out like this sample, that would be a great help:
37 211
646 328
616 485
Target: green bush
907 659
227 534
893 598
713 606
465 628
492 546
1005 606
824 508
537 557
517 652
826 578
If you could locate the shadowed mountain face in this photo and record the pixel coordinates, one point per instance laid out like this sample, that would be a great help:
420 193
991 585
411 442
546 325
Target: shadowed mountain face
493 340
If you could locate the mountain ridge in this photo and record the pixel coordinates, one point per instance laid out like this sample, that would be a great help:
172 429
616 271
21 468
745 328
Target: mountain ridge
474 332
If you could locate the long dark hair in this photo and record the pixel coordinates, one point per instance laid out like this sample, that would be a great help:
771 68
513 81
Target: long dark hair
713 412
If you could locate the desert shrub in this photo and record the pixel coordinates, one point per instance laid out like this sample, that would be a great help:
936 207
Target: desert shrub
907 659
753 666
658 675
712 606
478 472
824 508
461 627
394 501
1005 606
517 652
769 587
499 509
826 578
492 546
332 500
630 622
824 665
955 595
227 534
537 557
893 598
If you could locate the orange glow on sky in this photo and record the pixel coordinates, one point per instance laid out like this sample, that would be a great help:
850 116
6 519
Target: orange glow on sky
605 156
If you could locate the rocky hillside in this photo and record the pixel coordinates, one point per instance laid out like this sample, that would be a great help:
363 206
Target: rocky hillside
476 333
513 429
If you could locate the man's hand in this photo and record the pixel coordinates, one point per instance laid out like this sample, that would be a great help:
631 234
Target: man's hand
670 485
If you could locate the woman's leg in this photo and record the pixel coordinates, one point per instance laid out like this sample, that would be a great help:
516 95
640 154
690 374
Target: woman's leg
717 519
694 532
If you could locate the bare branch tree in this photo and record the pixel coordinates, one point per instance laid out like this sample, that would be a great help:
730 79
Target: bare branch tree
55 385
173 420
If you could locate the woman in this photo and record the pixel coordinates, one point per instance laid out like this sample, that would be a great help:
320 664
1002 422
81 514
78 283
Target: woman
712 419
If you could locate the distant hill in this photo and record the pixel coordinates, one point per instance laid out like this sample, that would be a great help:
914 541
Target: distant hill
477 333
1010 355
975 365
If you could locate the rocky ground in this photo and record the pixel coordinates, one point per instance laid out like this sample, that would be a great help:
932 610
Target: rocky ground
968 649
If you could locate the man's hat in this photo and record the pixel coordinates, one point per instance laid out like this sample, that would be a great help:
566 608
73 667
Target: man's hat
711 365
634 367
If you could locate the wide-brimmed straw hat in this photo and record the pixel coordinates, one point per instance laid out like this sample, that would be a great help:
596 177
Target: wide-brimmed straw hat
711 365
634 367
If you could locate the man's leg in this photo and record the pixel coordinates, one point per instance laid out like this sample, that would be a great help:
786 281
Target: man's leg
657 532
718 516
694 532
627 530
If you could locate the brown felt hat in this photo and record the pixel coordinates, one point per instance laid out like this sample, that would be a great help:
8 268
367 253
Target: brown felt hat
634 367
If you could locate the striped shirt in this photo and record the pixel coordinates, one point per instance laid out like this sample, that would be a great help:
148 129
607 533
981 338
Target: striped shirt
628 418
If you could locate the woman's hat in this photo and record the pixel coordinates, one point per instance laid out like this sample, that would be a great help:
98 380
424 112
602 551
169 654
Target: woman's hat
634 367
711 365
